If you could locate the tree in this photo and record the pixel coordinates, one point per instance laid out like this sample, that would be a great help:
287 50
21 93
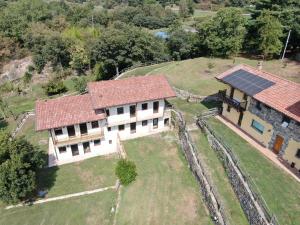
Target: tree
55 87
186 8
19 162
223 35
80 84
126 171
269 34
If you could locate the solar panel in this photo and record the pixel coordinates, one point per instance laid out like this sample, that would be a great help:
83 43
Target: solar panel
247 82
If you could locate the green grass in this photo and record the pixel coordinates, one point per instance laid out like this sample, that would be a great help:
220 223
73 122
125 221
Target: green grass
80 176
91 210
193 75
165 192
232 208
190 110
280 191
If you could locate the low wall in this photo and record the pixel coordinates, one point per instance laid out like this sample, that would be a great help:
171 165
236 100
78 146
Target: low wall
190 97
209 194
252 204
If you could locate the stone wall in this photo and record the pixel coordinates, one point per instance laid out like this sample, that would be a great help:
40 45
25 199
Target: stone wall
275 118
253 206
209 194
185 95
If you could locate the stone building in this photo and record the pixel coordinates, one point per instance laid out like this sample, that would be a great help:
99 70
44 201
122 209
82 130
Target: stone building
266 107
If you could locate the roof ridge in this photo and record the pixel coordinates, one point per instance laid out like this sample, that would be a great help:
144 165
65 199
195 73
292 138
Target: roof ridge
269 73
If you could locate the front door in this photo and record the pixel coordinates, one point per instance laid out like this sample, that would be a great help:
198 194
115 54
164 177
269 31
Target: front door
278 144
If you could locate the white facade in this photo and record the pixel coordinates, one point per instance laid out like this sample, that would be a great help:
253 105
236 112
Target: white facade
102 137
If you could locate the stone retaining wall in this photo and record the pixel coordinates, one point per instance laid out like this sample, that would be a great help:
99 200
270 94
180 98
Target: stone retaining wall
182 94
253 206
208 192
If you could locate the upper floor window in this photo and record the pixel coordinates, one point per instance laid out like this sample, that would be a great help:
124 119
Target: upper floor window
107 112
99 111
120 110
58 131
257 126
285 121
95 124
144 106
298 153
155 106
258 105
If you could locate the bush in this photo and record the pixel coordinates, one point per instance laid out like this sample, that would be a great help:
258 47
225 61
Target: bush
55 87
126 171
79 84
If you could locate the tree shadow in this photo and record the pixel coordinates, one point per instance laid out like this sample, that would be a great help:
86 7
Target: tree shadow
46 178
3 123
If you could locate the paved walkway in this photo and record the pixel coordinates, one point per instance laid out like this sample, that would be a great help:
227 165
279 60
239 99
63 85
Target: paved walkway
265 151
63 197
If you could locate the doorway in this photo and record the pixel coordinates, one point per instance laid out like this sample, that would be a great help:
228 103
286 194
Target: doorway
278 144
71 131
132 111
83 128
75 150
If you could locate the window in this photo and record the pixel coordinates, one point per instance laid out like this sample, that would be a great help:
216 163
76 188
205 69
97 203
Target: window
132 110
99 111
155 107
285 121
97 142
245 96
120 110
231 92
132 128
83 128
109 129
155 123
144 106
258 105
257 126
62 149
86 147
107 112
298 153
121 127
144 123
58 131
74 149
110 142
95 124
228 108
166 121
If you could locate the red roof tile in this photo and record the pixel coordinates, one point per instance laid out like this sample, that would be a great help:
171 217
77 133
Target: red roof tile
137 89
283 96
71 110
65 111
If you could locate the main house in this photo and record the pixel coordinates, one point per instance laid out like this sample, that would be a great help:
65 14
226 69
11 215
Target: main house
266 107
92 124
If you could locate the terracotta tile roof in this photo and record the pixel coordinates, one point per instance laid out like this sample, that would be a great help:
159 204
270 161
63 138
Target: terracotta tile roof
131 90
71 110
65 111
283 96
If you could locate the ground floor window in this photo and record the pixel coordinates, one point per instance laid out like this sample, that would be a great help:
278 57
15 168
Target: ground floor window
75 150
155 123
132 127
257 126
166 121
97 142
121 127
62 149
86 147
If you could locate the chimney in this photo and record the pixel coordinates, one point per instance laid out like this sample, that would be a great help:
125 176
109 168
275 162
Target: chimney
259 65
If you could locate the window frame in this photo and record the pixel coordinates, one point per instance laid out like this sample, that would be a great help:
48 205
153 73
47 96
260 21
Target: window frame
120 110
257 128
155 126
109 129
64 151
155 110
58 129
144 123
97 140
92 124
121 127
144 106
89 147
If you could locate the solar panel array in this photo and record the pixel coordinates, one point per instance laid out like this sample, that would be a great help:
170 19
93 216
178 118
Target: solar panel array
247 82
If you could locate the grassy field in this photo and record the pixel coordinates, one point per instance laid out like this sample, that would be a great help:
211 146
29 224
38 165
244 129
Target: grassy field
165 191
280 191
232 208
195 76
91 210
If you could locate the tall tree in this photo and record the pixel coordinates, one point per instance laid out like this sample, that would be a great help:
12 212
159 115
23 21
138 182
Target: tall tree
269 32
223 35
19 161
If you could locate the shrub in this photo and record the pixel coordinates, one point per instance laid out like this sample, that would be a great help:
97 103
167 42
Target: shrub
79 84
55 87
126 171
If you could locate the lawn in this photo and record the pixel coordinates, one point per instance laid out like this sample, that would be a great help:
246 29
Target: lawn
80 176
91 210
195 76
232 208
280 191
165 192
191 109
